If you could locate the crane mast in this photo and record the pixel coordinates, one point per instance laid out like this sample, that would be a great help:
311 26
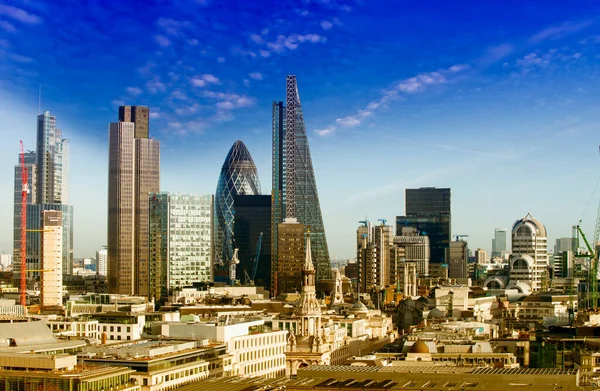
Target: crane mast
24 191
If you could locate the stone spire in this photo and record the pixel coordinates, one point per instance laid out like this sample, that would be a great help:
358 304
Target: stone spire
308 307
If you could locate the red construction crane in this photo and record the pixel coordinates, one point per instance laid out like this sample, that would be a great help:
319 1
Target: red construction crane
24 191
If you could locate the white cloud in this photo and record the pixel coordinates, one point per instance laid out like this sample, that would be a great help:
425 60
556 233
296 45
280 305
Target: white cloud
256 75
7 26
204 80
532 60
291 42
326 25
174 125
162 40
19 14
178 94
407 86
134 91
257 38
188 110
154 114
265 53
193 42
154 86
229 101
220 59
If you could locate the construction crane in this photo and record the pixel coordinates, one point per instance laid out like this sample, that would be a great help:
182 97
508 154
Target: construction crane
365 223
458 237
256 258
383 221
24 192
593 275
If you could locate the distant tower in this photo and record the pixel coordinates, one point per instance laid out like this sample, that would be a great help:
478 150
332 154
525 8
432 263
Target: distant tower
134 172
101 258
499 243
238 176
294 191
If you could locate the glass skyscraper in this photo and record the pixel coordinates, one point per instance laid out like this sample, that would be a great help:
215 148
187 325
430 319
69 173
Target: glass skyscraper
301 200
239 176
180 241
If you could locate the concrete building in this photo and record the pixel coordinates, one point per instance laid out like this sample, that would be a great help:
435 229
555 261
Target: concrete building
162 365
120 326
101 262
499 242
52 282
134 172
414 248
181 234
481 256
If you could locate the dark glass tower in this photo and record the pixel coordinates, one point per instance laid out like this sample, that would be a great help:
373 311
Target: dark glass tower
294 192
238 176
253 220
428 210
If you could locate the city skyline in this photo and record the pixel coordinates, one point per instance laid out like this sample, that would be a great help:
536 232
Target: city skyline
469 117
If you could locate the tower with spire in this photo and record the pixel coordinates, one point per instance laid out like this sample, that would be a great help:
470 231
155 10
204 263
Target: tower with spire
308 308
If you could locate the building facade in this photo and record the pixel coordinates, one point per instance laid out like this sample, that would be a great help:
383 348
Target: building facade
51 277
458 258
239 176
290 242
428 209
180 241
414 248
499 243
52 162
252 233
529 259
294 189
101 262
134 172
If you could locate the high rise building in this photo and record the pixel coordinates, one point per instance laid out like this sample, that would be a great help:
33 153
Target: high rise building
48 171
101 262
180 241
481 256
499 243
139 116
413 248
563 244
428 209
134 172
294 194
238 177
51 250
529 258
373 249
290 241
252 232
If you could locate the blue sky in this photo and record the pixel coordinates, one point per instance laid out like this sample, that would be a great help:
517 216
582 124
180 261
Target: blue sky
497 100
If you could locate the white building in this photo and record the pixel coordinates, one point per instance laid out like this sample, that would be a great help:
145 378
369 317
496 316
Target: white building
5 260
101 259
529 258
73 327
120 326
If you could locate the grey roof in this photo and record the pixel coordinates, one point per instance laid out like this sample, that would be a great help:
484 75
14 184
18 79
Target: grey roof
26 334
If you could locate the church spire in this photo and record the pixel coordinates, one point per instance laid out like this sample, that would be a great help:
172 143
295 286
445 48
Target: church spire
308 263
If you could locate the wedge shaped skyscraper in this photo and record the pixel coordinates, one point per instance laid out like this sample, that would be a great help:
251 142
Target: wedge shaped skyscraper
239 176
294 193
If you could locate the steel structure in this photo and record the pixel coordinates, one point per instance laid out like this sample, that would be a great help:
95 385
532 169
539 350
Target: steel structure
291 101
24 191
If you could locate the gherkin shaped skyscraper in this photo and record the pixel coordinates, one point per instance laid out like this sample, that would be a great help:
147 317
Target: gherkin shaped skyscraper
239 176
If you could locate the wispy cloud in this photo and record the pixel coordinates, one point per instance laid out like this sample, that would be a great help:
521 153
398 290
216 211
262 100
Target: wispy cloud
19 15
281 44
135 91
256 75
154 86
204 80
559 31
162 40
496 53
408 86
173 27
7 26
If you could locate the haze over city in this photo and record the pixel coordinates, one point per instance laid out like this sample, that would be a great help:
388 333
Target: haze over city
495 102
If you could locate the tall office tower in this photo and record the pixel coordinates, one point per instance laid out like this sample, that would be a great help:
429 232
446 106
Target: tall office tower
51 250
52 162
367 278
295 193
252 232
429 210
238 176
139 116
180 241
481 256
277 193
30 163
563 244
383 238
413 248
101 262
499 243
529 259
134 172
457 258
